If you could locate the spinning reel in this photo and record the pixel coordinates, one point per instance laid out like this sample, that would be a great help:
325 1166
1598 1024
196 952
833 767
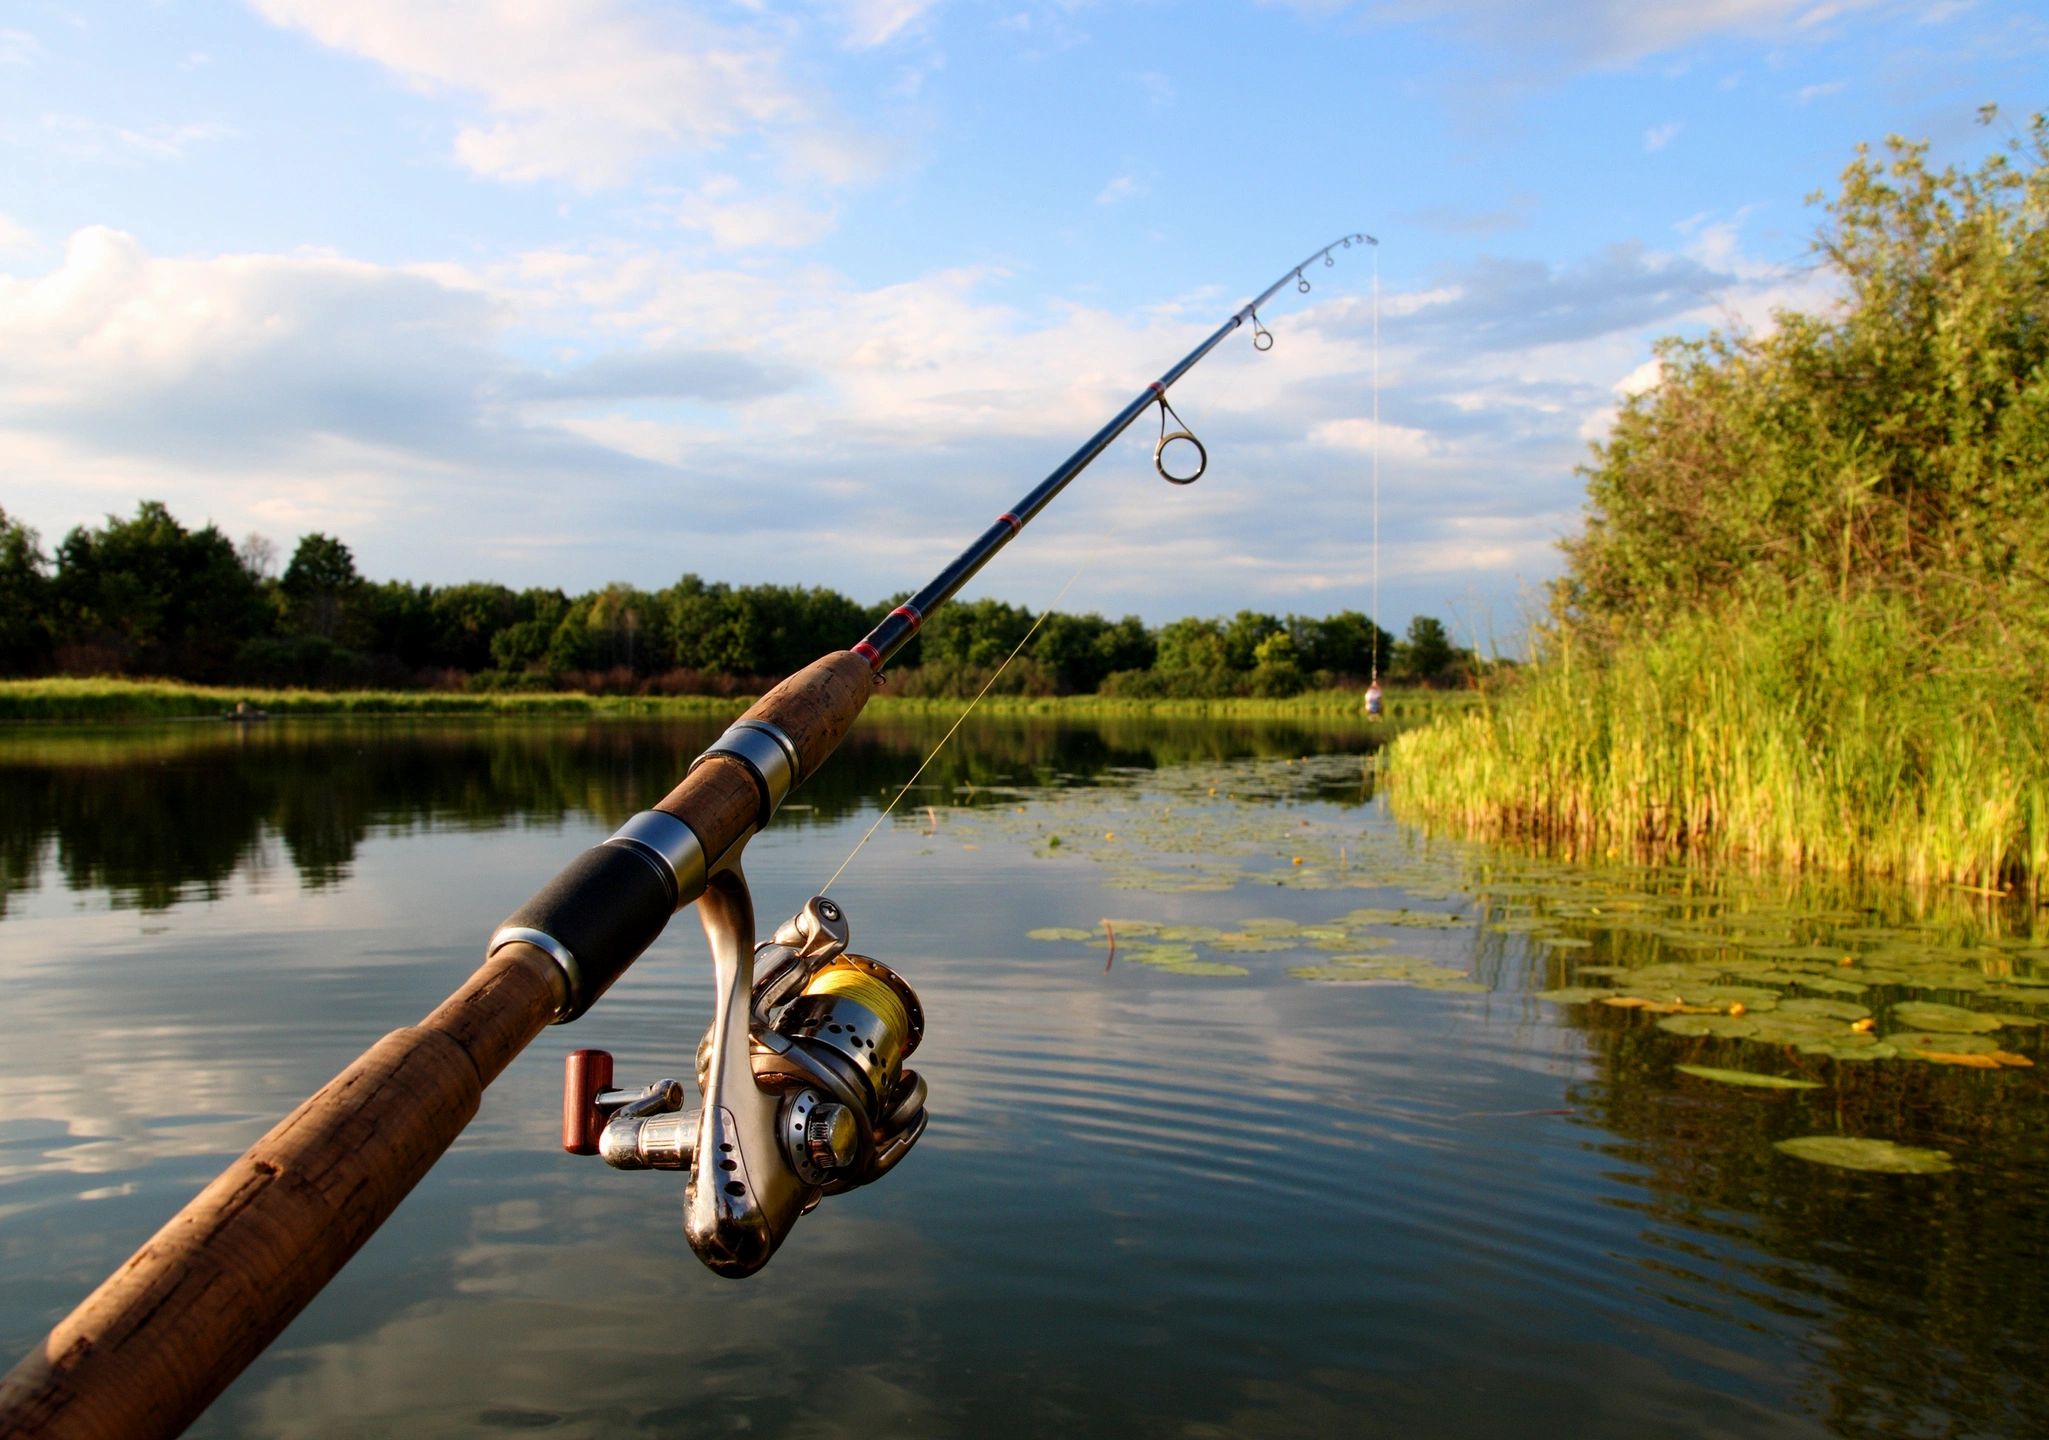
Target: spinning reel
802 1077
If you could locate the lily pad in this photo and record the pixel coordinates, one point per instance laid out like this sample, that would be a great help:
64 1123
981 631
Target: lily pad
1746 1077
1728 1027
1947 1019
1827 1009
1912 1042
1215 968
1850 1047
1058 932
1850 1153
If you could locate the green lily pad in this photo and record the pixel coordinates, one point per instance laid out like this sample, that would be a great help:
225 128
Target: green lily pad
1243 943
1947 1042
1946 1019
1728 1027
1850 1153
1779 1028
1198 967
1058 932
1832 985
1828 1009
1743 1077
1850 1047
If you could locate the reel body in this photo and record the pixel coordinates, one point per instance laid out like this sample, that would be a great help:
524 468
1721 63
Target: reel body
802 1077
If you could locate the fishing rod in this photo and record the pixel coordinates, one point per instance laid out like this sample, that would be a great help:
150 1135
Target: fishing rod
804 1089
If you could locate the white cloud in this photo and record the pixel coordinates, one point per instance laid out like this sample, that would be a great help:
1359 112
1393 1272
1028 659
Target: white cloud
733 222
581 90
869 23
1807 94
85 139
1122 187
14 236
18 47
1659 136
1643 379
1607 33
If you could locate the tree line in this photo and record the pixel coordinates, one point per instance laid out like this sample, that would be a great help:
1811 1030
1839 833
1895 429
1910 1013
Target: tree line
146 596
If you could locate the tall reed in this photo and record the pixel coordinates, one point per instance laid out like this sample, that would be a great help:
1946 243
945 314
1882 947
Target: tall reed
1812 732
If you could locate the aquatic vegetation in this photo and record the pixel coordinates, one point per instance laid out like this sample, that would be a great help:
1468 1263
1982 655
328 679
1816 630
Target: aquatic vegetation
1747 1077
1849 1153
1799 628
1725 963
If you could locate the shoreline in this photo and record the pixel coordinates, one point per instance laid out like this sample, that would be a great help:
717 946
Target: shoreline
110 701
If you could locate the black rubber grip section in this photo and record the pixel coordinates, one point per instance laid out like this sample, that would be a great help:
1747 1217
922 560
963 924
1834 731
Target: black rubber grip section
605 907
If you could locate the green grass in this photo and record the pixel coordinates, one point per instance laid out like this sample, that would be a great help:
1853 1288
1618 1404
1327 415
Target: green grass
121 700
67 700
1811 733
1404 707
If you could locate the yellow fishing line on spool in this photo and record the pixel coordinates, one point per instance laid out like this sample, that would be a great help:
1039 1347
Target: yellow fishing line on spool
863 989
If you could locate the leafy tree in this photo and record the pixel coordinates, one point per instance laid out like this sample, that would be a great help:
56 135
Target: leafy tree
1082 650
147 596
617 626
975 634
1427 653
1242 635
463 619
1192 658
1275 668
1346 643
1895 445
24 599
524 643
324 596
401 619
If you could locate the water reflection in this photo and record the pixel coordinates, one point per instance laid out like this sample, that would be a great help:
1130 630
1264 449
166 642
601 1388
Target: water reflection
213 792
1154 1201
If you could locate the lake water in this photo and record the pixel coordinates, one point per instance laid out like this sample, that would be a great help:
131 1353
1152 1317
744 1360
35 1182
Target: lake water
1342 1140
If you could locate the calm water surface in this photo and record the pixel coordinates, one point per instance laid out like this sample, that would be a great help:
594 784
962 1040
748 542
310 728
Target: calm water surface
1192 1194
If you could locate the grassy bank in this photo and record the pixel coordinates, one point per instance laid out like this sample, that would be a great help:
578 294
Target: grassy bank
1813 732
71 701
66 700
1807 620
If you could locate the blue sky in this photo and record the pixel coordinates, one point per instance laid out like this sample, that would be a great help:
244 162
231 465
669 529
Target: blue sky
565 293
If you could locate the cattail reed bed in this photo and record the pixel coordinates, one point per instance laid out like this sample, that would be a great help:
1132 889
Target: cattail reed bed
1815 736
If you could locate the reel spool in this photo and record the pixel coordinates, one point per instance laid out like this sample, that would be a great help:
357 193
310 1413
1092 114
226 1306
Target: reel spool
805 1093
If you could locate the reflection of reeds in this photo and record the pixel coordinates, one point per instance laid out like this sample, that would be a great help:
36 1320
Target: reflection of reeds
1808 738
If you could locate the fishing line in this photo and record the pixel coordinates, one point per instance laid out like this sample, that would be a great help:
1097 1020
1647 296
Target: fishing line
905 788
1375 617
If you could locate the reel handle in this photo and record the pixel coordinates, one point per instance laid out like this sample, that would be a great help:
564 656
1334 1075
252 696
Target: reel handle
586 1074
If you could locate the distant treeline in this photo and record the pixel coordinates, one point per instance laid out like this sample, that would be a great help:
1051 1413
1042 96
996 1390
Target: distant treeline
147 596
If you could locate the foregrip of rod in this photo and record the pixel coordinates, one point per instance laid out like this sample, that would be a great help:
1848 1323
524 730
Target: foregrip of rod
149 1349
609 904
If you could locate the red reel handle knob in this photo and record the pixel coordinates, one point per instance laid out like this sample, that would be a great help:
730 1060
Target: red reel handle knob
586 1074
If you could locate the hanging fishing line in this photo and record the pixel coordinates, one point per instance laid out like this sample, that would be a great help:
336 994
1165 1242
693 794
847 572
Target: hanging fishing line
1374 618
905 788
